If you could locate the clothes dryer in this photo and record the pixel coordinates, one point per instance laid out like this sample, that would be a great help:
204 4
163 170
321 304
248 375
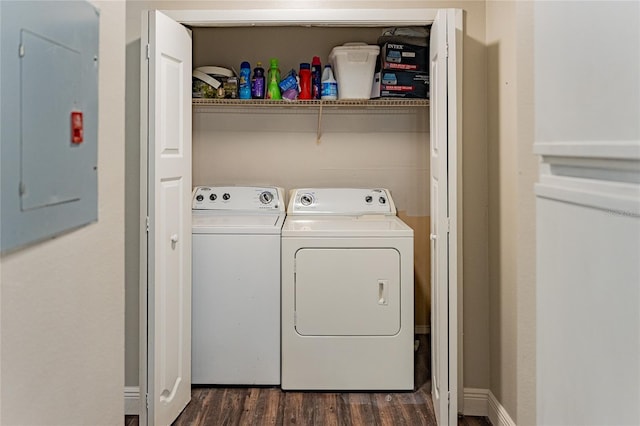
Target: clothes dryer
347 292
236 285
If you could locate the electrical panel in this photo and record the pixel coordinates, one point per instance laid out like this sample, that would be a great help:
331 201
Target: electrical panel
49 115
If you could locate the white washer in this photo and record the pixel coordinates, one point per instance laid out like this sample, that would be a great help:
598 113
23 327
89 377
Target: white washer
236 285
347 292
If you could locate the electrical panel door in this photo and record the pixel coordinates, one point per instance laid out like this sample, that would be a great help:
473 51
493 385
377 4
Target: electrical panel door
49 134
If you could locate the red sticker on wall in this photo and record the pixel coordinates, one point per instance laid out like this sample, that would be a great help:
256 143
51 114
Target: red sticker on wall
77 131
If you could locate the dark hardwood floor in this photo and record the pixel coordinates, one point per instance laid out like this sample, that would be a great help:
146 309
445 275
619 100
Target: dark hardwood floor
213 406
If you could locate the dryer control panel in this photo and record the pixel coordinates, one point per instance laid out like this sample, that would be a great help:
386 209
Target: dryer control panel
238 198
341 201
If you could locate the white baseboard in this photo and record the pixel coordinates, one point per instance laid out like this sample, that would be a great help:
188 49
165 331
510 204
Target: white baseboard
132 400
476 402
422 329
482 402
497 413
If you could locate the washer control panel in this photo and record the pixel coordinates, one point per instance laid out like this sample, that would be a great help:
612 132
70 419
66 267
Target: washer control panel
240 198
341 201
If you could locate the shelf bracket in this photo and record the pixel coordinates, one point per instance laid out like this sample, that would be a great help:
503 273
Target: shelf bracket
319 129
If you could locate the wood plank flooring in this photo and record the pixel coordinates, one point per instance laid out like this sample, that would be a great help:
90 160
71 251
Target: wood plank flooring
257 406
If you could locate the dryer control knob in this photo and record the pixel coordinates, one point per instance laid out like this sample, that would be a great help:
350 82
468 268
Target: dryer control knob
226 196
213 197
199 197
306 199
266 197
383 200
368 199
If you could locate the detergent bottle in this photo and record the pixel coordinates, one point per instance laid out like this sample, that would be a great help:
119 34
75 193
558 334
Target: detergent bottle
257 82
273 79
244 85
316 78
329 84
305 81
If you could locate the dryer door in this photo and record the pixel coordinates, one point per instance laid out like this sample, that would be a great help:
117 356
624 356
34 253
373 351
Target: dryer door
347 291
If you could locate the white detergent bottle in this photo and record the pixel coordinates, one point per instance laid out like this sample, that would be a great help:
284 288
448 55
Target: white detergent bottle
329 85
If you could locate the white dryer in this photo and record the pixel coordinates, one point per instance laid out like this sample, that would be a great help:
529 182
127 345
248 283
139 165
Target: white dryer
236 285
347 292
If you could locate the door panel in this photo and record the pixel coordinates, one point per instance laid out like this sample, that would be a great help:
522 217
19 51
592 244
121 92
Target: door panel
444 215
169 292
347 292
168 80
439 279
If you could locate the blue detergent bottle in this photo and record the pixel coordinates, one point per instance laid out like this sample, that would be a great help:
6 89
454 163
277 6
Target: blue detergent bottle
244 89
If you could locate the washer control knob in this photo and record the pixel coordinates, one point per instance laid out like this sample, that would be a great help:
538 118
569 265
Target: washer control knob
368 199
226 196
266 197
199 197
382 200
306 199
213 197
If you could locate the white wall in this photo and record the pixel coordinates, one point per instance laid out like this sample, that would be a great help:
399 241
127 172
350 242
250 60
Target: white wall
503 195
62 301
587 91
527 171
512 174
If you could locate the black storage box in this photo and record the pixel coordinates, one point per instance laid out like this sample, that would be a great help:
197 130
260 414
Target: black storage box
405 57
404 84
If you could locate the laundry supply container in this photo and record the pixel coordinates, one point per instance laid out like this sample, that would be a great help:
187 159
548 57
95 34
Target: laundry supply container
354 64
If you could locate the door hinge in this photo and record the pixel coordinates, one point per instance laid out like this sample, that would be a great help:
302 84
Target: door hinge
21 50
22 188
148 51
446 50
448 225
147 223
146 400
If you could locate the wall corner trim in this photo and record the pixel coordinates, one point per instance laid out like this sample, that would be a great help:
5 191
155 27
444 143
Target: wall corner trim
132 400
482 402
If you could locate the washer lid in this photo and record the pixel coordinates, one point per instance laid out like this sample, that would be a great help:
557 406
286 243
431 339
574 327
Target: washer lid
345 226
236 224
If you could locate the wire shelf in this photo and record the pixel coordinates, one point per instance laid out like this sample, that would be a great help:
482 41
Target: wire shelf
386 103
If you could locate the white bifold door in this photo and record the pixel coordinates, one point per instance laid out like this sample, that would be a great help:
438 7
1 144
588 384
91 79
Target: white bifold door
445 217
166 123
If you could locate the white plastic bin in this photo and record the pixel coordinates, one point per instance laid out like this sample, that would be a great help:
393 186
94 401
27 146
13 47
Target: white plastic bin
353 65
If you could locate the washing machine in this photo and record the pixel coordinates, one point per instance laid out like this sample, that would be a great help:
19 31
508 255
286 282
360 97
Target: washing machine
236 285
347 292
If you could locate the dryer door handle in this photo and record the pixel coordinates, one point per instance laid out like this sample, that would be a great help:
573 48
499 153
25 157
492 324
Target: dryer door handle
383 292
